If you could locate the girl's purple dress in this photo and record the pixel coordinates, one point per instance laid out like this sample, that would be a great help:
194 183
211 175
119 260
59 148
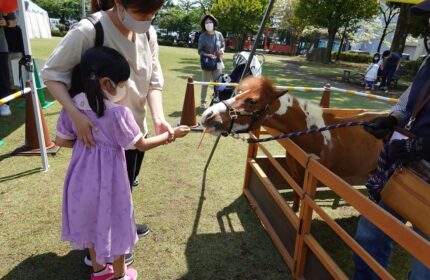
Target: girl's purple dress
97 204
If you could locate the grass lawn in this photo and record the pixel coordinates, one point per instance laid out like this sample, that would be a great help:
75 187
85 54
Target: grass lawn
223 239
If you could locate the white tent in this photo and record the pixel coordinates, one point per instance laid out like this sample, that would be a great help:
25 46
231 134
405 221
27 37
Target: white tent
36 20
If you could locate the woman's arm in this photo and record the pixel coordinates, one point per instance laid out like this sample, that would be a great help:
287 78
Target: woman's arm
63 142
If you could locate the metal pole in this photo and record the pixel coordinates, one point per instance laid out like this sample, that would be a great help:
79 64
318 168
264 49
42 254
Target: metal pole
36 106
260 31
248 63
84 13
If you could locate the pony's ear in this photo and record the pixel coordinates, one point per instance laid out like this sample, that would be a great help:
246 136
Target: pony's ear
279 93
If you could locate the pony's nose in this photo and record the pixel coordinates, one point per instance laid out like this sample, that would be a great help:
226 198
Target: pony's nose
209 118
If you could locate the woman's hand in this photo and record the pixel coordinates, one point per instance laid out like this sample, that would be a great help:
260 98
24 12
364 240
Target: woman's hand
212 56
84 128
221 53
161 126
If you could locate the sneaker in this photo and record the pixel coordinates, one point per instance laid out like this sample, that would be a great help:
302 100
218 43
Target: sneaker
105 274
203 105
135 183
129 259
5 110
142 229
130 274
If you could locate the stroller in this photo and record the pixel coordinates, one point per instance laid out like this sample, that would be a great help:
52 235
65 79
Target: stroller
239 62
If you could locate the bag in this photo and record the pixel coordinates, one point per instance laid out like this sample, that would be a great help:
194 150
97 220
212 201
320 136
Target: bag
407 192
207 63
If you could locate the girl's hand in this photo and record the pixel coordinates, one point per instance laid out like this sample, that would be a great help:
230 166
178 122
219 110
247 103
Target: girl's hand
161 126
84 127
181 131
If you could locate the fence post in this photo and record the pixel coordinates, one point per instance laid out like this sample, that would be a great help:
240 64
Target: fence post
325 98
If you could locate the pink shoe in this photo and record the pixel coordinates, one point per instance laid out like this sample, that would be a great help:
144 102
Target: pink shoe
130 274
105 274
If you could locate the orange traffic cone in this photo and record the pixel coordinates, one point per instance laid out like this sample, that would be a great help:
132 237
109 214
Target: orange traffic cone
325 98
189 116
31 146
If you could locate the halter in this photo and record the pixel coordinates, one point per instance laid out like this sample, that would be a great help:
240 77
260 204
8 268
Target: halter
234 114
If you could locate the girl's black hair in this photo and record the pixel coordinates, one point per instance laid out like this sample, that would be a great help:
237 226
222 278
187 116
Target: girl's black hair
97 63
376 58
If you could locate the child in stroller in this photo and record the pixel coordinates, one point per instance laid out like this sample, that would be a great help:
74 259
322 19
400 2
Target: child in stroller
223 92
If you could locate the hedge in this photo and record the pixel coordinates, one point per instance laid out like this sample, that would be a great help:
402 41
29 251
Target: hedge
353 57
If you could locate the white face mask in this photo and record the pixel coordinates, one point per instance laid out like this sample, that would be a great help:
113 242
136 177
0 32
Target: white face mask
131 24
121 92
209 26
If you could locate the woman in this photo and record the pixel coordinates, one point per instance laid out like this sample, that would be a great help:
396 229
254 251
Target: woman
211 46
127 29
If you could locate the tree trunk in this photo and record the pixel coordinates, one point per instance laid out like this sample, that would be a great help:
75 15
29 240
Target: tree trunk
384 33
330 43
399 40
341 44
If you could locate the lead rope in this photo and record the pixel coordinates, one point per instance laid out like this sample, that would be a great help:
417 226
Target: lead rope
304 132
376 181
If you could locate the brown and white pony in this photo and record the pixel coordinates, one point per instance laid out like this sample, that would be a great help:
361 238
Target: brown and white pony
350 152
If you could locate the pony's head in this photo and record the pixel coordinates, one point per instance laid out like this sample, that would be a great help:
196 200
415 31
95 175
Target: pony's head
245 111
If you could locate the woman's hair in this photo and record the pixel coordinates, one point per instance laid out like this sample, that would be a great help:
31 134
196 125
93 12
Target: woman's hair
204 18
96 63
386 54
140 6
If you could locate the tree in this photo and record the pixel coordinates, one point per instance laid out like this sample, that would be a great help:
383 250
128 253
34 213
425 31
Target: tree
335 14
63 9
388 11
239 16
402 29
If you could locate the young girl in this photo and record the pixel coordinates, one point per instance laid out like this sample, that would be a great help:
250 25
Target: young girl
371 74
97 205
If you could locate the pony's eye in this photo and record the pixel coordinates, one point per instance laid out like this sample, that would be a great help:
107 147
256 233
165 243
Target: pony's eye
250 101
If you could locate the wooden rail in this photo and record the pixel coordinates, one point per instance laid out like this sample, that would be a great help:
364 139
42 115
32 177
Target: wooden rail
265 179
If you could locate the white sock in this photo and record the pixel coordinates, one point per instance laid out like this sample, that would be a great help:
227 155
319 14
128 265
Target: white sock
102 272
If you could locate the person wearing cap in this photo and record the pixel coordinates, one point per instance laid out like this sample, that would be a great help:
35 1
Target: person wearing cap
403 151
211 45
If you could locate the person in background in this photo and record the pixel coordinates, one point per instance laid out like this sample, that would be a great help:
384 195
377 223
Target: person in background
391 63
127 28
371 74
6 21
211 45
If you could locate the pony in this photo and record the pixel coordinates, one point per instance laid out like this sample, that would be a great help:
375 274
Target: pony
351 152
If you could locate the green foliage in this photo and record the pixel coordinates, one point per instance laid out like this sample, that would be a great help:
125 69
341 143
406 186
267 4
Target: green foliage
239 16
57 33
63 9
335 14
177 19
165 41
411 67
354 57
